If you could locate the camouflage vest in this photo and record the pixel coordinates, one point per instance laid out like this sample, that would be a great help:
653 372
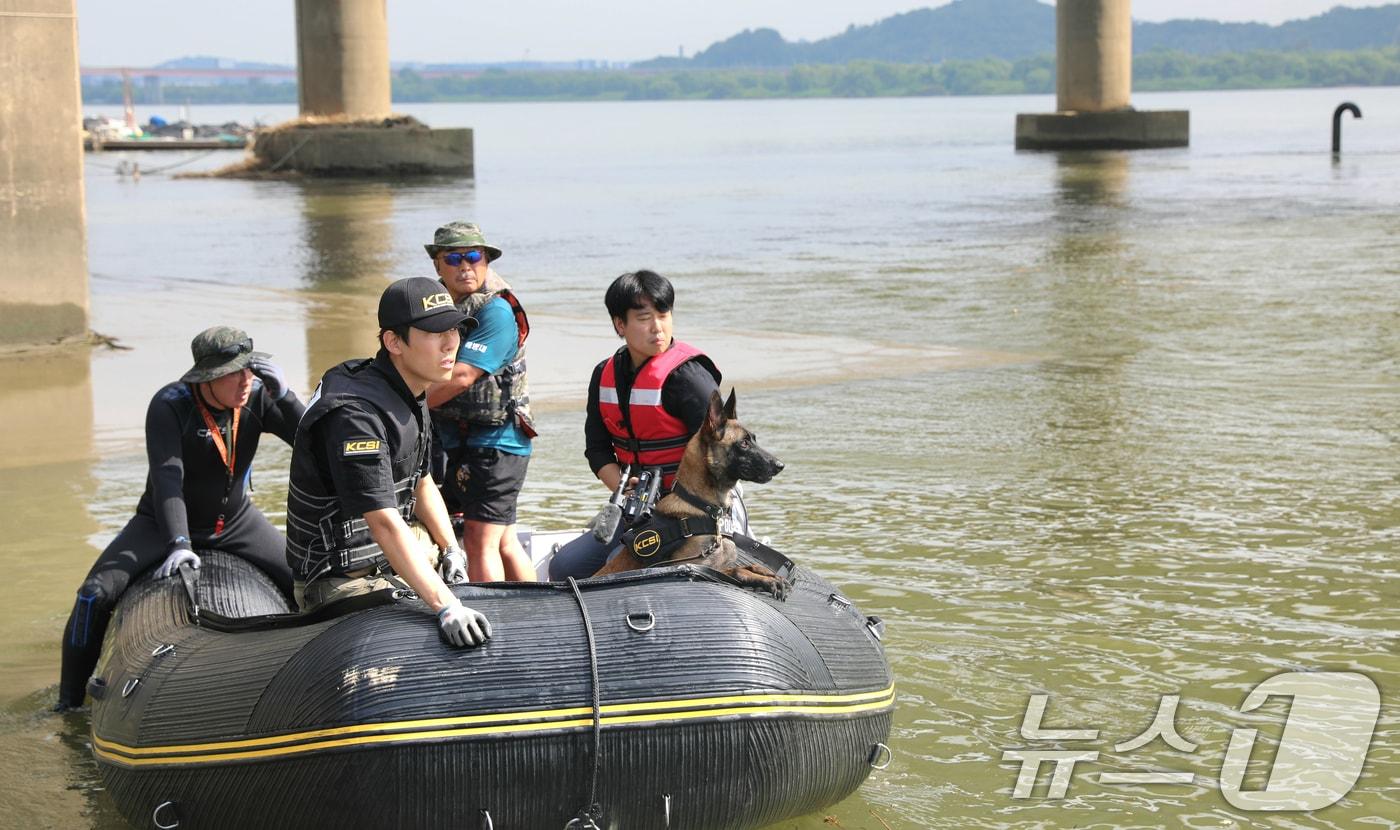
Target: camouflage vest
499 398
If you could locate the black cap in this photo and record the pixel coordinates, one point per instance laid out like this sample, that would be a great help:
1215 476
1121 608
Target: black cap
418 302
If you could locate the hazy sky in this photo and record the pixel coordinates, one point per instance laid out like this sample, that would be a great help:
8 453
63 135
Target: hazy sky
146 32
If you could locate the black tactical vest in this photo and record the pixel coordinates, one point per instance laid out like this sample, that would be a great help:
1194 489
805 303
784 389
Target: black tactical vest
321 539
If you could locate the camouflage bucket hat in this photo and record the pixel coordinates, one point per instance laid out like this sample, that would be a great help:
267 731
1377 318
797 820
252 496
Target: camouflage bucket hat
219 351
461 235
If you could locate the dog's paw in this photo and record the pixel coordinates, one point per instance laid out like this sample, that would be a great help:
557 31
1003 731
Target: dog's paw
769 582
763 580
760 579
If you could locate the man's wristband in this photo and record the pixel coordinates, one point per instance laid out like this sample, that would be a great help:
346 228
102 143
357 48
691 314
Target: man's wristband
180 542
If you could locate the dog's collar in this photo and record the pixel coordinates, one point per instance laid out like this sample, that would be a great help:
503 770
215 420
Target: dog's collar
714 511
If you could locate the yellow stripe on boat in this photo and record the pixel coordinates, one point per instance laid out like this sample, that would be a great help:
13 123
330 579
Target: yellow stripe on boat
545 720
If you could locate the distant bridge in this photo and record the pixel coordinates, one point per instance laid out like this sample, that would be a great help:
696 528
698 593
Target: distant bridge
173 72
247 74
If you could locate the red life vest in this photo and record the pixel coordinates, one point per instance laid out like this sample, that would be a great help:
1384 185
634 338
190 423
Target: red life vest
648 436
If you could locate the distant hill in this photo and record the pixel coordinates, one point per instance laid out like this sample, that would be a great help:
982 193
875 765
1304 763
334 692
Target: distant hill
1339 29
968 47
1016 29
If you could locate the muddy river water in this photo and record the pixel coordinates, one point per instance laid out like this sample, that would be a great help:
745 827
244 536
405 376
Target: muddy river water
1103 427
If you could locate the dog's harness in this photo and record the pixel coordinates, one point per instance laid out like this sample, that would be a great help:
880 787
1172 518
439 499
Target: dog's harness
658 535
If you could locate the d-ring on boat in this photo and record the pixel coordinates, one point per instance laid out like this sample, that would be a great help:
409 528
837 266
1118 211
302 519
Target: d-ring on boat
664 698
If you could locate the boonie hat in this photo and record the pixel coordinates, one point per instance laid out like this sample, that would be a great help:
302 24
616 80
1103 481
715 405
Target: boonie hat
418 302
461 235
219 351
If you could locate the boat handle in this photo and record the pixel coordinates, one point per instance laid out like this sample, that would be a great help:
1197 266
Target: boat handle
837 599
163 649
130 686
876 752
641 621
666 805
486 823
876 626
155 816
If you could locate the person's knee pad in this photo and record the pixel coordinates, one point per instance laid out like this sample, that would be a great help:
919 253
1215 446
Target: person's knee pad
92 608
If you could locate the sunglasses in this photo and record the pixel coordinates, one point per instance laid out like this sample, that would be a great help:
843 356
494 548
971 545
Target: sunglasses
456 259
230 352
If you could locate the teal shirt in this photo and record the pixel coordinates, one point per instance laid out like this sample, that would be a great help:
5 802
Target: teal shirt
492 346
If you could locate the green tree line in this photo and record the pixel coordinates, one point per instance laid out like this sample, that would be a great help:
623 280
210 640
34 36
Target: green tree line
1152 71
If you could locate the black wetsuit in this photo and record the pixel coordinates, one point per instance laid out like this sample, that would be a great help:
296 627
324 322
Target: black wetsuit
184 497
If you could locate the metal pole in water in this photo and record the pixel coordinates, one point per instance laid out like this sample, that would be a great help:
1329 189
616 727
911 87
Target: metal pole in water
1337 124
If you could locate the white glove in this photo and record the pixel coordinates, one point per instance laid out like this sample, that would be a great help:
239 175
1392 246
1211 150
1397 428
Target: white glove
177 557
452 565
463 627
271 376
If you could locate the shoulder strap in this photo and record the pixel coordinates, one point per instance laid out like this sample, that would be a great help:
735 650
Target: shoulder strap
522 322
624 398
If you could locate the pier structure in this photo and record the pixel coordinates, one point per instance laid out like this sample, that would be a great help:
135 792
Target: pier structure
1093 87
43 236
346 126
343 58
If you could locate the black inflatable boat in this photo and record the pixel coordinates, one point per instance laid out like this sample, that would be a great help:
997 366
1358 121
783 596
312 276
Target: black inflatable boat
664 698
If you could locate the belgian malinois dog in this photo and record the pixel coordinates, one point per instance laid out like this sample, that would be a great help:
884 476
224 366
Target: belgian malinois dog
720 453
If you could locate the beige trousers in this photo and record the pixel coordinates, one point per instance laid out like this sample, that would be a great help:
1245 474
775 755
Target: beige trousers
331 588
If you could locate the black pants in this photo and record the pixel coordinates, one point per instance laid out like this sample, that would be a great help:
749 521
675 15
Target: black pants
140 546
582 557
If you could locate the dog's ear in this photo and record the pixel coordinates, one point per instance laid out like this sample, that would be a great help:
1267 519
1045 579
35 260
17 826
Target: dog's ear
714 418
729 407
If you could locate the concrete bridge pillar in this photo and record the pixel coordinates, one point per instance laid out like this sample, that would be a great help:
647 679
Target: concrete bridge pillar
1094 84
343 58
343 77
43 224
1093 55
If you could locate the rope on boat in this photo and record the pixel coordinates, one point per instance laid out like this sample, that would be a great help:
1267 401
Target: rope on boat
588 818
156 170
128 168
